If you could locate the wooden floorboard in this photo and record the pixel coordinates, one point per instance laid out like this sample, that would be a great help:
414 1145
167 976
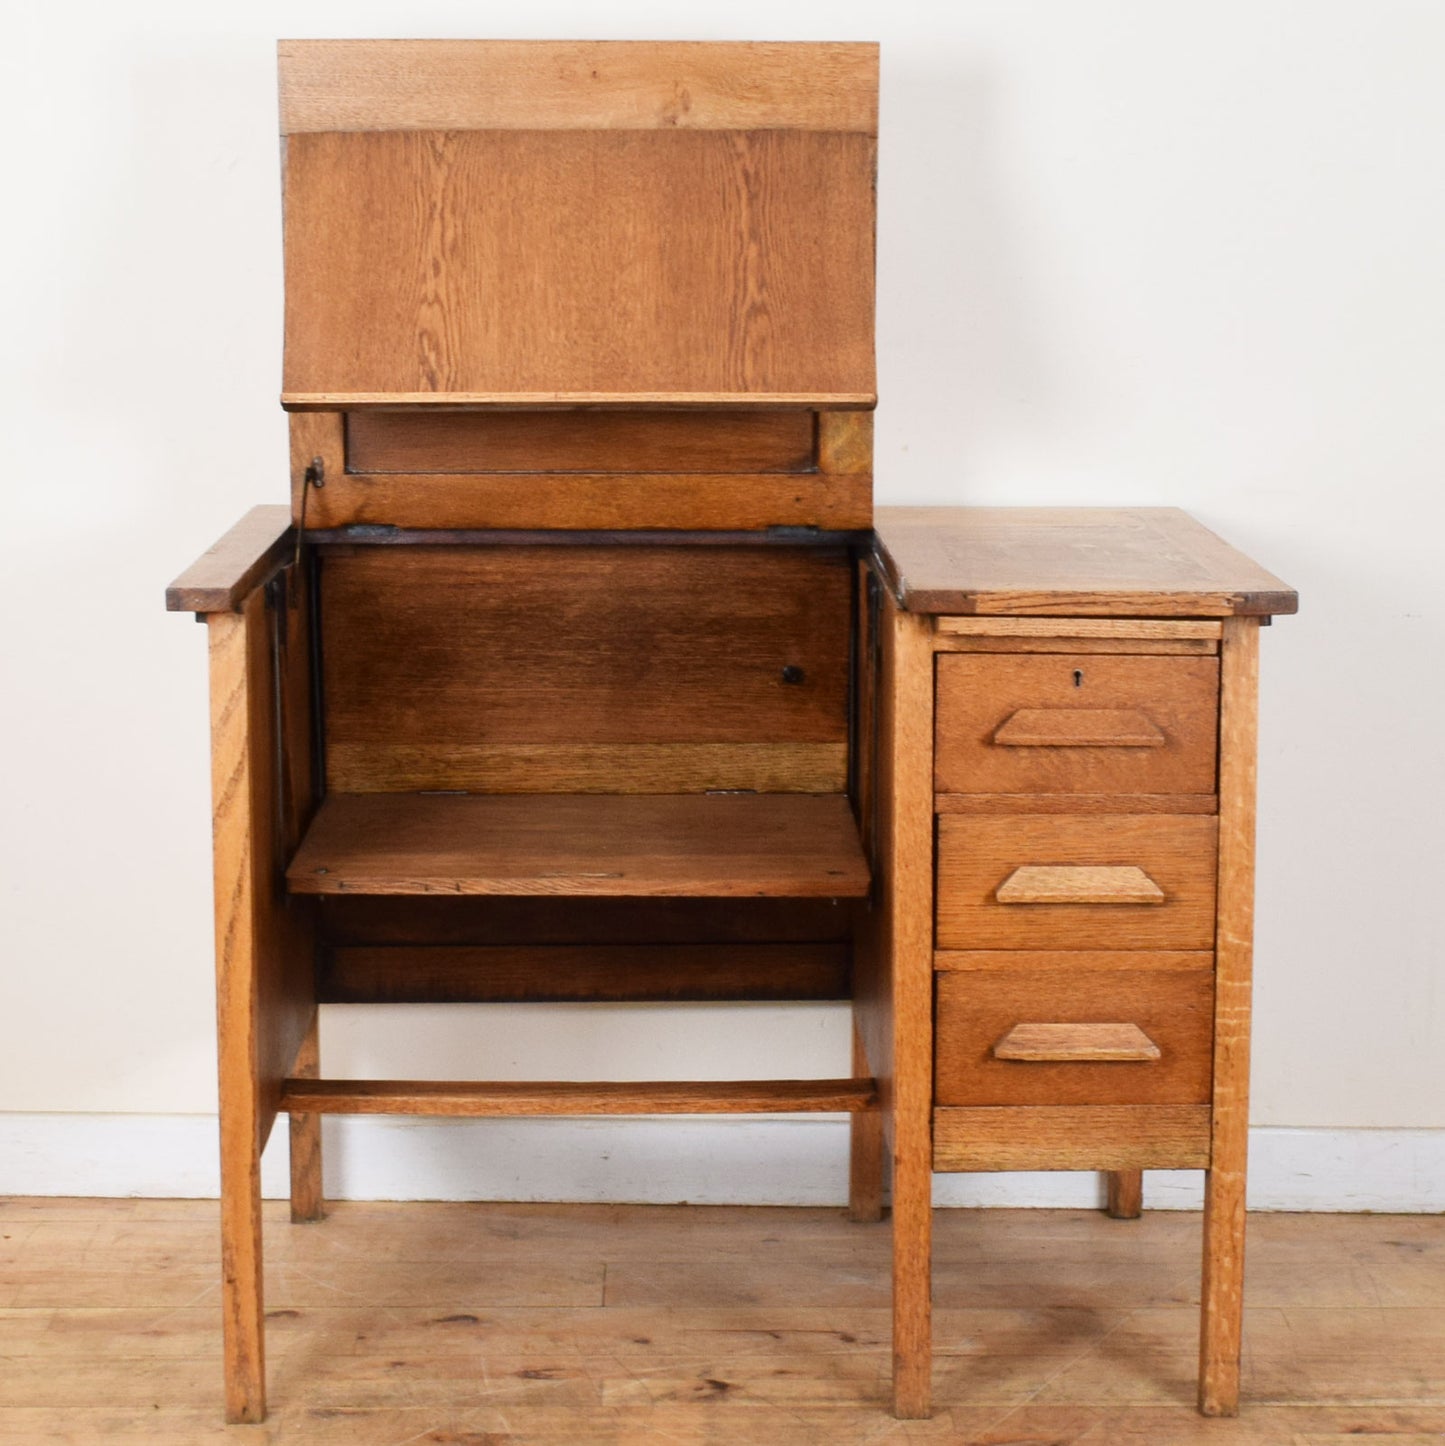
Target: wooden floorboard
452 1323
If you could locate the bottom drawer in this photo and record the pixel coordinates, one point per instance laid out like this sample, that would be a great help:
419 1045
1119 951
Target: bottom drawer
1065 1137
1075 1036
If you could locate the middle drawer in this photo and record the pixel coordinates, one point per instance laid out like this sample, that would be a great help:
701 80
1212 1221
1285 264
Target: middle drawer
1068 881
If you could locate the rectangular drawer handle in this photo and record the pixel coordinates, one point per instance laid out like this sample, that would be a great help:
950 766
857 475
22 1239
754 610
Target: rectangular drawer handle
1070 1043
1079 884
1078 728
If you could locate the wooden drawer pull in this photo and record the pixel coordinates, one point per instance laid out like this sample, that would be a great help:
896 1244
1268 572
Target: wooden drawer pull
1066 1043
1078 728
1079 884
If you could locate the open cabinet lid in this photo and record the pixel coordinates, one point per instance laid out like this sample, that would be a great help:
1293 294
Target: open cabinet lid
489 223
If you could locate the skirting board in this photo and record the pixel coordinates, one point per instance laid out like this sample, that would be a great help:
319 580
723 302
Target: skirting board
784 1160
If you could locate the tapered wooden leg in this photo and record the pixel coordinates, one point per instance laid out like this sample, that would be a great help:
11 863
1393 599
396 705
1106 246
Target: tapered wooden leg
307 1200
1126 1194
1222 1297
865 1152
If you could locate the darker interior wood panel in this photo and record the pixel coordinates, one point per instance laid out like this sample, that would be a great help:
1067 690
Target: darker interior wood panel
554 262
607 669
616 973
458 443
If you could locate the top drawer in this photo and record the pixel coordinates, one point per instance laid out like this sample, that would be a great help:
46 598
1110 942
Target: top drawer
1076 723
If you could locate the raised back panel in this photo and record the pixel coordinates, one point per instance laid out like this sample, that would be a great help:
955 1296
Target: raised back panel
575 669
592 266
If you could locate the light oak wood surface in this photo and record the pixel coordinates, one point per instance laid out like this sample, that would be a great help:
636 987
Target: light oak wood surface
1101 562
714 846
1076 1043
1078 884
553 1097
350 85
553 1325
978 854
1071 1137
1076 723
978 1010
1222 1292
547 266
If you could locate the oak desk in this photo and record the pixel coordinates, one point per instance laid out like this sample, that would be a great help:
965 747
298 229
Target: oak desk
575 670
1065 812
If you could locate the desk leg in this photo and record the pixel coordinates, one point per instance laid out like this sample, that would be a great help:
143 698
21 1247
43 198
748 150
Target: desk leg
307 1201
1126 1194
240 790
1222 1296
242 1326
906 855
865 1150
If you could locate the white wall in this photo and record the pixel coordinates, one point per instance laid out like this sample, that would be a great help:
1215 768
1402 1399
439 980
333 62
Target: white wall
1129 253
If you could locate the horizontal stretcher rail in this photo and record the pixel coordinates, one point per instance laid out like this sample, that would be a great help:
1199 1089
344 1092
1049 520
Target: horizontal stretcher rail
565 1097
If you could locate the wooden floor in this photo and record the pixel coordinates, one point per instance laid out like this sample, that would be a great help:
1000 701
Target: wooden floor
575 1324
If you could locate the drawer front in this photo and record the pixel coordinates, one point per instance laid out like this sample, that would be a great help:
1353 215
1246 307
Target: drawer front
1076 723
1065 1037
1070 882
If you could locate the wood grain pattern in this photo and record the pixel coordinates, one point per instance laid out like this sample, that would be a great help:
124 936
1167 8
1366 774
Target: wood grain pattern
596 1321
1078 728
1078 884
666 669
566 1097
226 574
1222 1291
461 443
1071 1137
977 1010
845 443
1073 960
367 765
1075 803
315 436
976 854
264 999
865 1150
905 861
350 85
308 1201
359 921
1076 723
716 846
653 501
1042 1043
535 973
1143 647
1124 1198
1138 562
1099 629
571 265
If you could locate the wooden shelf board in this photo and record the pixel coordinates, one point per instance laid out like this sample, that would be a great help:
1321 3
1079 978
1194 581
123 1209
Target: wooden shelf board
565 1097
673 845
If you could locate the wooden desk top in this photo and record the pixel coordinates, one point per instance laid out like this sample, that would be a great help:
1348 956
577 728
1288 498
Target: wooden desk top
1069 561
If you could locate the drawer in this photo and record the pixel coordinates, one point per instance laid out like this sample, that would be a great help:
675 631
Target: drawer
1063 881
1074 1037
1076 723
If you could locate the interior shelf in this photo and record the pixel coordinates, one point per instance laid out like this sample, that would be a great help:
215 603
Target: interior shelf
635 845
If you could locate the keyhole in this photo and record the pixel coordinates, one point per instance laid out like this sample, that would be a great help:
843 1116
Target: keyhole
1078 677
